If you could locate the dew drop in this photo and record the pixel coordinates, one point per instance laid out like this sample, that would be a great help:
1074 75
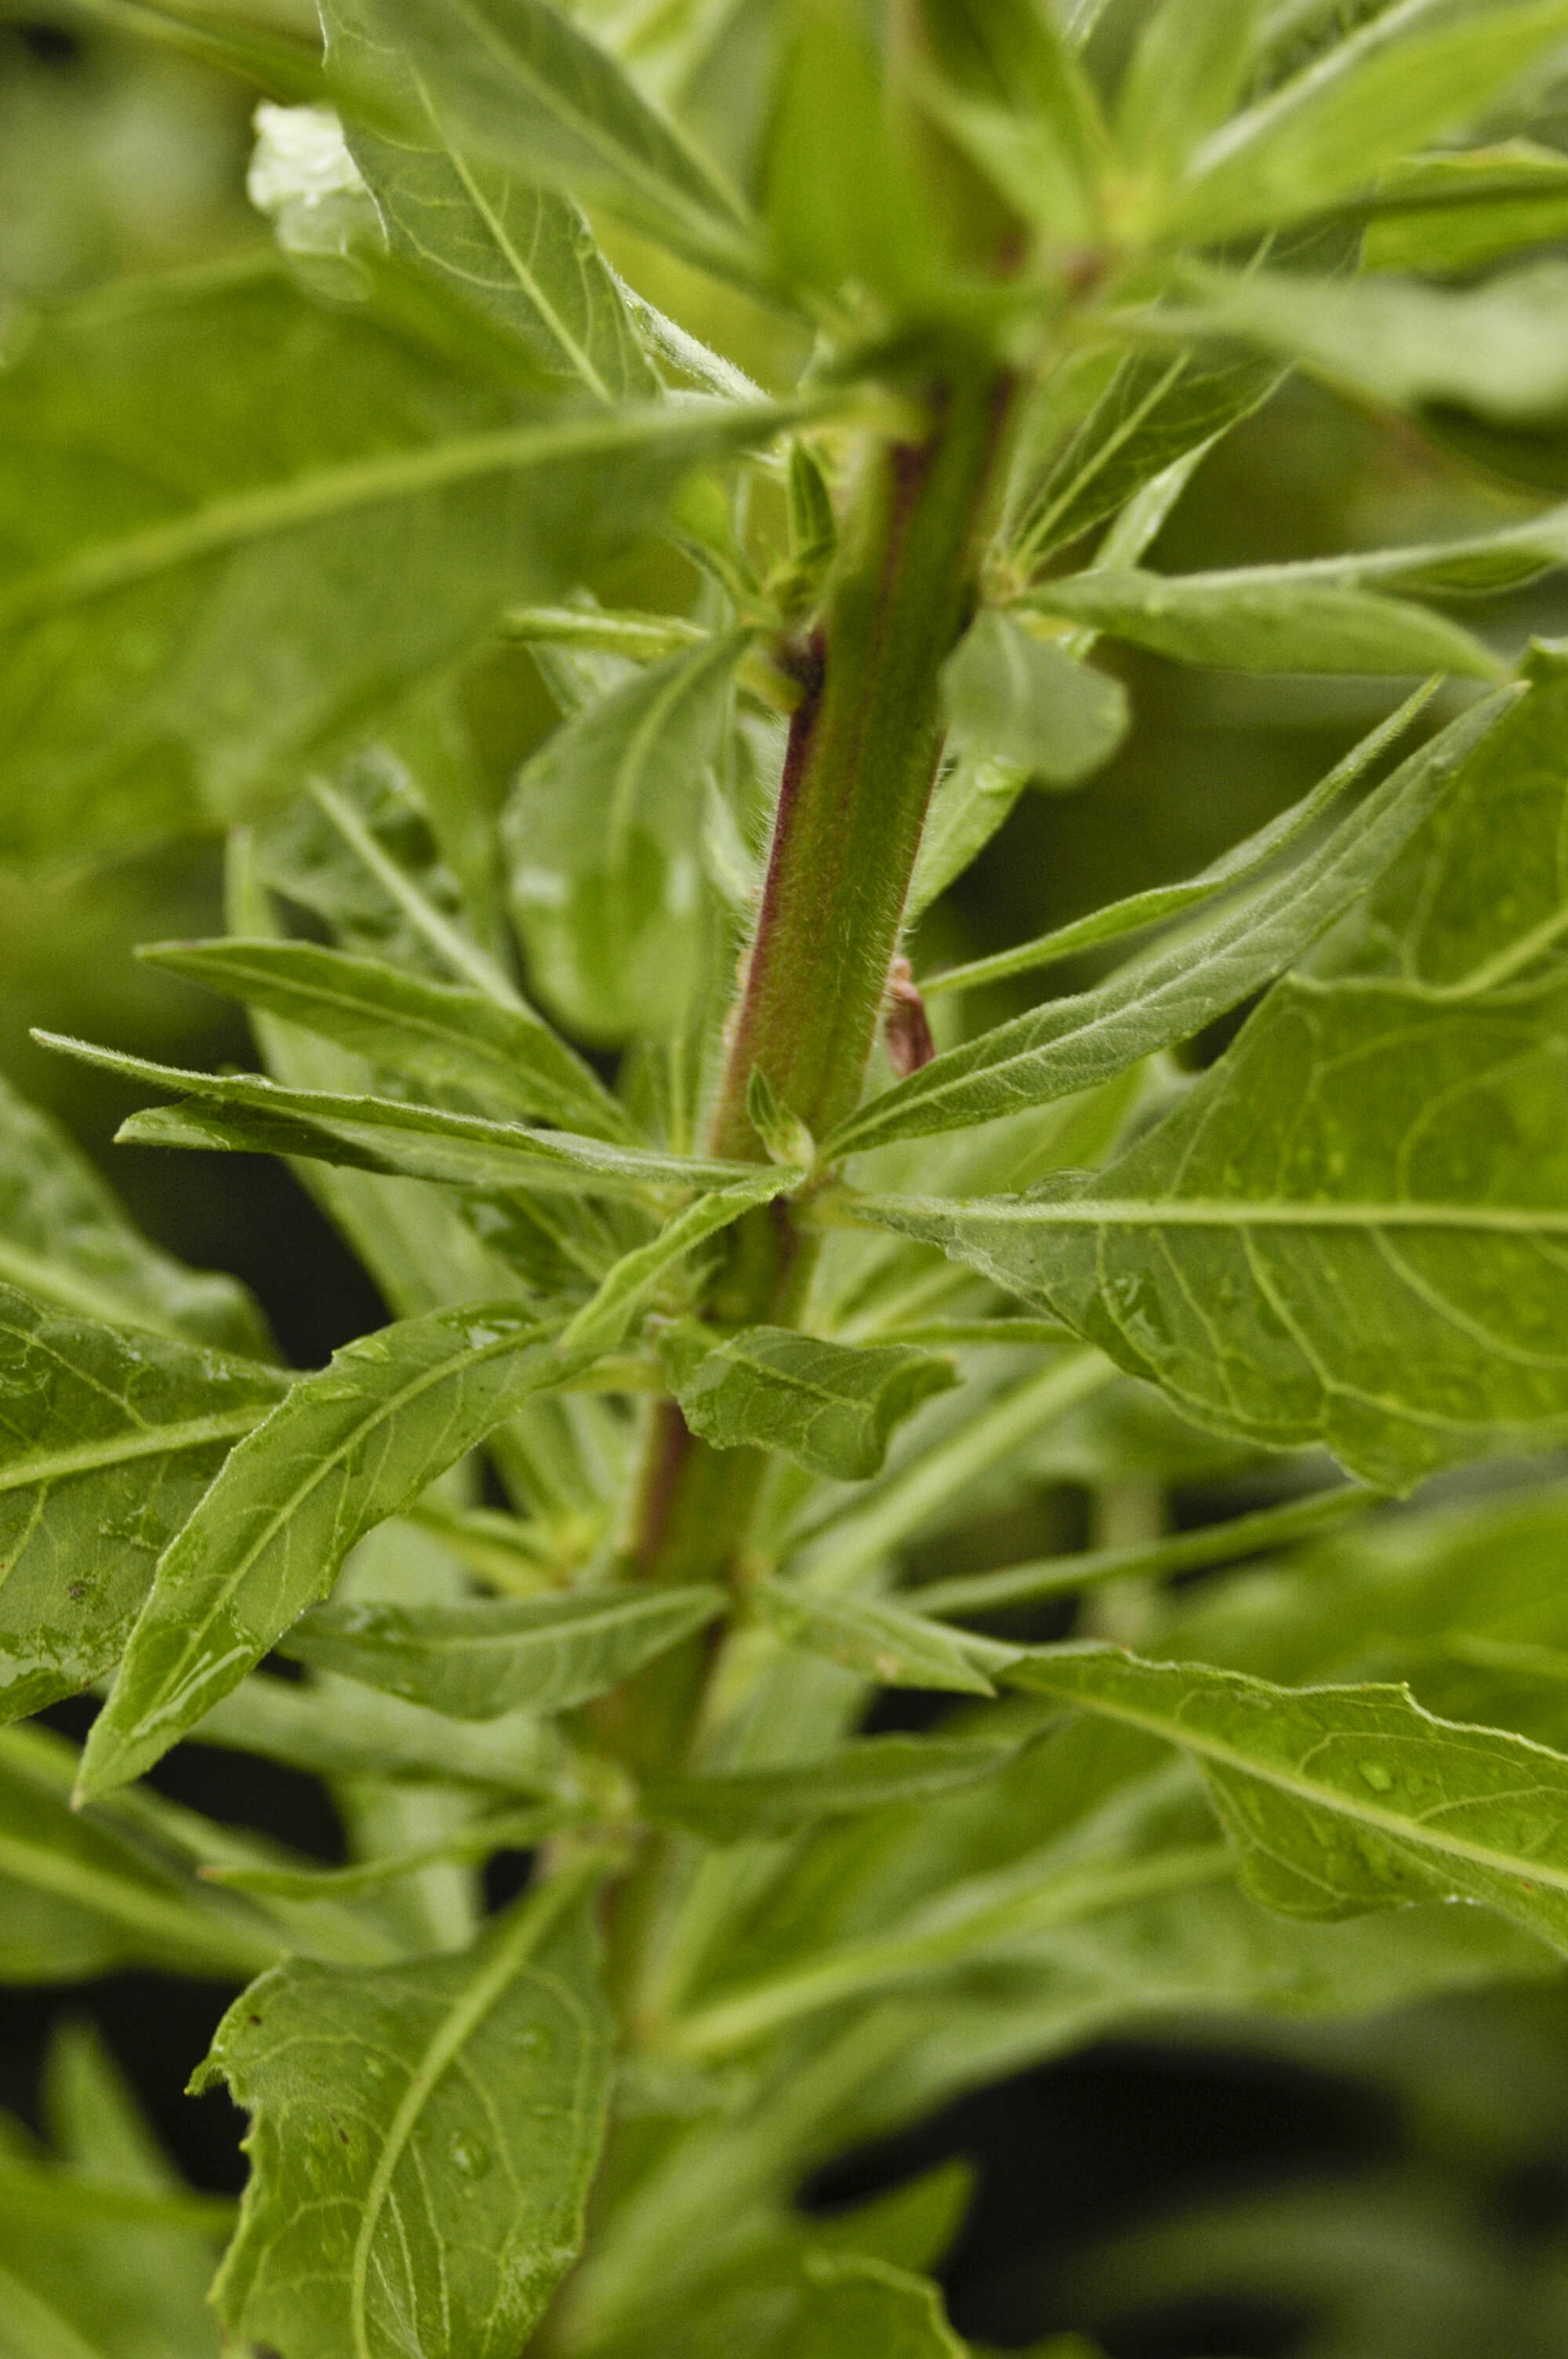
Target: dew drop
1380 1779
468 2155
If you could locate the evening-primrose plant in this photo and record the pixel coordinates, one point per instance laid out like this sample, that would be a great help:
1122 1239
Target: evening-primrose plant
728 1259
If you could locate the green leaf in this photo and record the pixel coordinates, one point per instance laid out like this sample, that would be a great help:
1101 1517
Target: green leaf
599 1325
65 1239
82 1893
1158 407
603 841
1411 74
242 1110
847 211
1444 216
1242 861
523 255
881 1642
173 632
348 1447
440 1035
515 84
1345 1798
108 1440
1019 699
972 799
351 1732
1349 1230
1499 348
470 1842
1072 1043
1062 1576
1190 67
1263 624
422 2141
831 1407
1009 93
490 1656
854 2303
104 2250
870 1775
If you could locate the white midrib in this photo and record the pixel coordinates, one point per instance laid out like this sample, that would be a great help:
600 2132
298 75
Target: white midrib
155 1441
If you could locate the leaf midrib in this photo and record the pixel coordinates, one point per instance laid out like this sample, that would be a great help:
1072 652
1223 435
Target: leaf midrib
1222 1212
189 1434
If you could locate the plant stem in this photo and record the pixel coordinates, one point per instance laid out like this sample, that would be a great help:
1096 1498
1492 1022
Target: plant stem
863 748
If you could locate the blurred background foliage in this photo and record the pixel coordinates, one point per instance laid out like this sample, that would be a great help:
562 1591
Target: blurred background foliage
1390 2190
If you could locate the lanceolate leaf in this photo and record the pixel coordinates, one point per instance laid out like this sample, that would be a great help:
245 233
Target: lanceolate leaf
1409 75
1234 867
883 1642
356 1733
1450 213
422 2141
601 1322
244 1112
1157 407
602 838
1071 1044
521 254
348 1448
1258 624
1345 1798
1351 1230
831 1407
81 1894
872 1775
479 1659
1499 348
65 1240
516 83
108 1438
435 1033
175 636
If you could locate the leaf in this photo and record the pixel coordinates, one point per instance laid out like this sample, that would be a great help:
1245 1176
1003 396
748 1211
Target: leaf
1242 861
1264 624
1444 216
173 632
1157 407
601 837
881 1642
601 1322
830 1407
1009 93
440 1035
490 1656
348 1447
66 1240
104 2244
1499 348
872 1774
1345 1798
523 255
1190 67
1349 1230
855 2303
422 2140
1019 699
1071 1044
1411 74
244 1112
355 1733
1062 1576
108 1440
83 1894
515 84
971 800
